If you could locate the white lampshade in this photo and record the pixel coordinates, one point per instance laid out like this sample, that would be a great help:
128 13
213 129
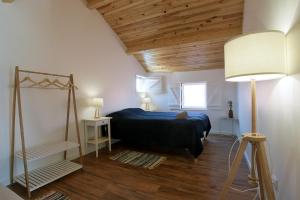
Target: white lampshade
98 102
257 56
147 100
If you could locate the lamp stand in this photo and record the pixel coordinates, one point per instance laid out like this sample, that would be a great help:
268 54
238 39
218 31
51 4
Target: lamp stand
147 107
259 160
97 113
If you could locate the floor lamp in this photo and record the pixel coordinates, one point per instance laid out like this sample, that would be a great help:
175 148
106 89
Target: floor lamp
254 57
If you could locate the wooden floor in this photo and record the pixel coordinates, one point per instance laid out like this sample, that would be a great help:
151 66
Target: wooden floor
177 178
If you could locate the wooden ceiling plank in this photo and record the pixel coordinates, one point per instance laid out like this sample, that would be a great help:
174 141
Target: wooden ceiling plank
95 4
205 66
217 47
135 11
174 35
185 68
186 50
132 3
181 56
120 7
185 55
184 29
172 20
211 8
196 45
181 36
226 20
148 4
147 12
156 29
185 62
205 35
178 57
159 11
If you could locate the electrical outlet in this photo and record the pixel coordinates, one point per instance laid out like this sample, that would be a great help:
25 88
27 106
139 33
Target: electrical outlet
275 182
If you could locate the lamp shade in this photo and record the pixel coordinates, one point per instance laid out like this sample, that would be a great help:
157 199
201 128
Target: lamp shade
98 102
147 100
256 56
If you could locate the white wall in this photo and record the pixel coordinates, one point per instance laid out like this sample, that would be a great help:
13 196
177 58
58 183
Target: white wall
278 100
59 36
214 78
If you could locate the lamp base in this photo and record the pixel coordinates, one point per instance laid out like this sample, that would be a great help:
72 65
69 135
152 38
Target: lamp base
264 176
97 113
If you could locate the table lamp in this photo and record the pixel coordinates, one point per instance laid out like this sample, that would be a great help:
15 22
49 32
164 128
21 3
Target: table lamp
254 57
147 101
98 103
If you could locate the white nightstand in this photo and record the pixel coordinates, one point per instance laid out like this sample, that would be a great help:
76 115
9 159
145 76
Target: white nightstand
233 122
97 138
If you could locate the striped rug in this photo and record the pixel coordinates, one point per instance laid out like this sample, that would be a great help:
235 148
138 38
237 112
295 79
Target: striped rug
54 196
138 159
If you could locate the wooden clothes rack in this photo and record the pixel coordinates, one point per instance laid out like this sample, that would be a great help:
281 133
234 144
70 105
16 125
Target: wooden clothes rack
37 178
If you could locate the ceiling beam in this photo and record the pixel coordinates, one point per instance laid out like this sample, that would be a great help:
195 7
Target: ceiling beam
95 4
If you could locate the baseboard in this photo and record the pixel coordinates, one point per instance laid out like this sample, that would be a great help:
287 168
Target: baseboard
222 133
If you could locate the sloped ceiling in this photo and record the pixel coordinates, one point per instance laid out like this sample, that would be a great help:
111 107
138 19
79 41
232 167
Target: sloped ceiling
174 35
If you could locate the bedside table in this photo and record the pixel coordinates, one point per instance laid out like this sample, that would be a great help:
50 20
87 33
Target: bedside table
97 138
232 121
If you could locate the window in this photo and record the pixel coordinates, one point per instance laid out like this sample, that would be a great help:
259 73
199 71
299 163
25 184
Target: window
193 96
148 84
140 83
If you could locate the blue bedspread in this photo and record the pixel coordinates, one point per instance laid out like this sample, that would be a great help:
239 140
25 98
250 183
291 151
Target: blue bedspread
138 127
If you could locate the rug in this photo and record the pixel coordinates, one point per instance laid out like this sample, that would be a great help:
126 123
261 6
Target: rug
54 196
139 159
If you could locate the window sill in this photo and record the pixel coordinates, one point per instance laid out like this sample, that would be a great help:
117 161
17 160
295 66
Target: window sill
193 109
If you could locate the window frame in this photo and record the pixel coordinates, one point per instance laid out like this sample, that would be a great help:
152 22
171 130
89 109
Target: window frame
154 88
181 95
140 89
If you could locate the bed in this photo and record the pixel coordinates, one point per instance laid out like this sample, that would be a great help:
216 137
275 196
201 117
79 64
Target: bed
137 127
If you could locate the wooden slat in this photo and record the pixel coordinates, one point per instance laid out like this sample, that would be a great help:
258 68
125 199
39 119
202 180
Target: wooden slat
46 150
43 176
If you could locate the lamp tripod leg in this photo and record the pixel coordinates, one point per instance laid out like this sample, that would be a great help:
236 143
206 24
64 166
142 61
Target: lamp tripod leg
265 172
235 166
260 178
252 178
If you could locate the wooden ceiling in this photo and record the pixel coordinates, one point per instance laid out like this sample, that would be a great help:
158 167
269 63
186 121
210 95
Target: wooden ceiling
174 35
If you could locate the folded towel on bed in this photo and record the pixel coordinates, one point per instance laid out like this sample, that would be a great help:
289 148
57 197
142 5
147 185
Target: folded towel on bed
182 115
